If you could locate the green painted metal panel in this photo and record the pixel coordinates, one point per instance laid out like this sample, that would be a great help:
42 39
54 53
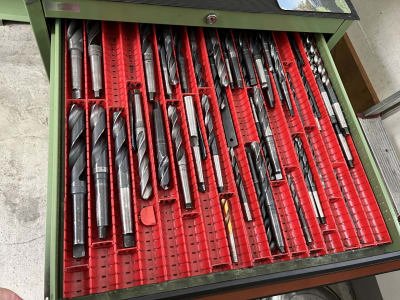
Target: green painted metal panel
332 41
13 10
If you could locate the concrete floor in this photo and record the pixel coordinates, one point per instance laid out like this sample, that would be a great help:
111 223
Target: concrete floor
24 102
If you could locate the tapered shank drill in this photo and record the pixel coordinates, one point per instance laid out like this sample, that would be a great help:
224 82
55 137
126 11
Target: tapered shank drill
95 55
75 47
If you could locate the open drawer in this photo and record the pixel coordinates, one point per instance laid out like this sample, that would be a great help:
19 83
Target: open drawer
112 272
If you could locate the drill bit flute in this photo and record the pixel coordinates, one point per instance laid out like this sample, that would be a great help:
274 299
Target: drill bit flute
100 168
164 66
245 60
148 59
77 166
75 47
123 178
95 55
182 65
198 68
229 229
233 61
170 58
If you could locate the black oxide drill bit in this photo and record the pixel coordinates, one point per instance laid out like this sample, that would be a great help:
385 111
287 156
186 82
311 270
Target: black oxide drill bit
148 59
77 166
75 47
180 155
245 60
233 60
182 66
100 168
214 50
123 178
161 147
171 61
95 56
198 68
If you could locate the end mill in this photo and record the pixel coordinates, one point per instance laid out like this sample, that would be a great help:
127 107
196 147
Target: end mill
75 47
95 56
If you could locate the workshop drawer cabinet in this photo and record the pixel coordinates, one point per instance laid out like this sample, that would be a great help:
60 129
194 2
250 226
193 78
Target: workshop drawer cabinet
295 268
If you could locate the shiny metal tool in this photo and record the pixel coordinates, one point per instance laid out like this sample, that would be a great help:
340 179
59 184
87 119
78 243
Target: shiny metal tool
245 60
148 59
198 68
182 66
170 57
233 60
214 50
123 178
229 229
164 67
95 52
78 188
75 47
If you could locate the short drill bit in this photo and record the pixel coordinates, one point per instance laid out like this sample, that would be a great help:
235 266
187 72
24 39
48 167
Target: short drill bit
95 55
180 155
170 57
266 137
75 47
182 66
240 186
299 209
148 59
198 68
146 189
100 168
123 178
77 166
194 140
233 60
245 60
309 179
214 50
212 142
163 164
229 229
164 66
267 200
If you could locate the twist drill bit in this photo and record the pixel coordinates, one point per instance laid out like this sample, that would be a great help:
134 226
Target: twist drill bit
229 229
267 200
299 209
169 54
95 55
245 60
212 142
146 189
182 67
296 101
180 155
309 179
344 146
266 137
202 145
194 140
77 166
198 68
131 104
214 50
123 178
75 47
148 59
164 66
100 168
233 60
240 186
161 147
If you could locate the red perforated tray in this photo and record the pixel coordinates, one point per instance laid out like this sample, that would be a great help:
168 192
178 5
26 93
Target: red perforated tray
185 243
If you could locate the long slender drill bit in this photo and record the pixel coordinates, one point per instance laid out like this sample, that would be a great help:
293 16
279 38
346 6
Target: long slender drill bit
229 229
123 178
245 59
309 179
233 60
267 200
180 155
146 189
194 140
75 47
240 186
296 101
148 59
182 66
299 209
214 49
77 166
266 137
198 68
344 146
212 142
164 66
161 147
100 168
95 55
131 105
170 57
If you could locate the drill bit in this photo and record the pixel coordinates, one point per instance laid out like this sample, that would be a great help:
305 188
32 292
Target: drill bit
240 186
214 50
299 209
267 201
202 145
233 60
182 67
266 137
77 166
194 140
100 168
146 189
131 105
229 229
161 147
245 60
180 155
148 59
95 55
309 179
296 101
75 47
164 66
123 178
169 54
198 68
344 146
212 142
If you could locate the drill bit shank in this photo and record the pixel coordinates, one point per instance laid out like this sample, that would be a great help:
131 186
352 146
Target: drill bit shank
100 168
229 229
245 61
148 59
75 47
77 166
233 61
95 55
